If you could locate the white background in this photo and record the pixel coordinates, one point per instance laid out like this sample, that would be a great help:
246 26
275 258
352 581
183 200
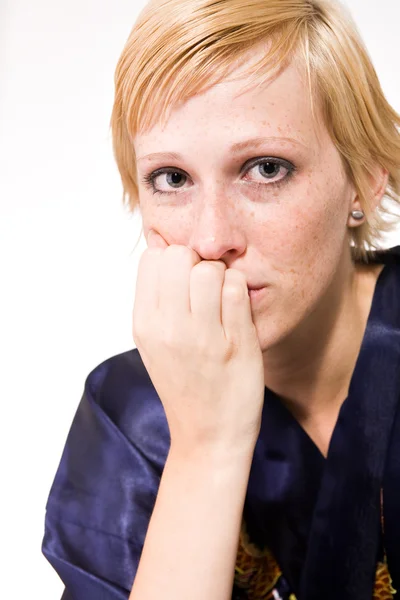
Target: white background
68 269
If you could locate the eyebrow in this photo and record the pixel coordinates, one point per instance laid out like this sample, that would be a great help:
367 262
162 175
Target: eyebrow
234 149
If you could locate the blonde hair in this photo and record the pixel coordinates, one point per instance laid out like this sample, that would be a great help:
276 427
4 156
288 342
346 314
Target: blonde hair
179 48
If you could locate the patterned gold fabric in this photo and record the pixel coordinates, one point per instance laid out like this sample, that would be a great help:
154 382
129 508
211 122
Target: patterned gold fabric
258 573
383 589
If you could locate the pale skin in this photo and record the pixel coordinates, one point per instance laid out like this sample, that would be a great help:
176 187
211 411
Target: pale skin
209 349
294 237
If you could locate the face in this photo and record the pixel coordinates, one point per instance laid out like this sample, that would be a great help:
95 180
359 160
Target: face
251 180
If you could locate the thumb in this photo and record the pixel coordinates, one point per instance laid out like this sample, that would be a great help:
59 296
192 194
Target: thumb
155 240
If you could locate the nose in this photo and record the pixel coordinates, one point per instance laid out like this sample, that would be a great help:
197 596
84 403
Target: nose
218 229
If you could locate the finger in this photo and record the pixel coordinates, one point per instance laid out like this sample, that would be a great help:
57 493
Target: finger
147 290
237 319
148 283
155 240
206 281
175 267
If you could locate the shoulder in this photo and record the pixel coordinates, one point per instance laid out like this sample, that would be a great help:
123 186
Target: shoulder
118 441
127 365
120 388
119 376
116 449
107 480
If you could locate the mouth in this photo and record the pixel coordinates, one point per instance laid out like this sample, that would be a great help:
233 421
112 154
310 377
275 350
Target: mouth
256 287
256 293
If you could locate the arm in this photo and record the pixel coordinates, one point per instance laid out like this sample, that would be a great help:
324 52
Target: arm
193 326
192 540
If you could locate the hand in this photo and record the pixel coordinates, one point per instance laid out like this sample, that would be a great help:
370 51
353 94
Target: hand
193 328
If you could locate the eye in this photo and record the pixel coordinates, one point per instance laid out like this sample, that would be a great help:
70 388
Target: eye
271 171
268 170
166 180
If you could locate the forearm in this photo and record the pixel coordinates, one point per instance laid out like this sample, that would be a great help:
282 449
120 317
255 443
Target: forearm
192 540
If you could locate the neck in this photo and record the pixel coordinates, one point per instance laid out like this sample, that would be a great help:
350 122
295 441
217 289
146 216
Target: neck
311 369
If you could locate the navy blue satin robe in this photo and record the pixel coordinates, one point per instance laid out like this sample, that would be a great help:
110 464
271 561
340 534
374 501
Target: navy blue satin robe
320 517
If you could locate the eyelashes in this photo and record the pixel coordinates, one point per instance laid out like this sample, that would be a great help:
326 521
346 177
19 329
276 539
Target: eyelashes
172 176
175 179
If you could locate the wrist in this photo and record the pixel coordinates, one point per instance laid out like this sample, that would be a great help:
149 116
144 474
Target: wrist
213 456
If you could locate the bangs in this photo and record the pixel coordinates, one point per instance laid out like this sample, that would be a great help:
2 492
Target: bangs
200 48
180 48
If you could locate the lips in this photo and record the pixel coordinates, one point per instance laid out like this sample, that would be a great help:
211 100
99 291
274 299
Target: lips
255 287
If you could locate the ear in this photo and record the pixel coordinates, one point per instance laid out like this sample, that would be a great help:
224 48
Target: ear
378 182
378 185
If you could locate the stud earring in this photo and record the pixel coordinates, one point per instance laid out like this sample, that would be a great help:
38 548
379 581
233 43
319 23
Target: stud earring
358 215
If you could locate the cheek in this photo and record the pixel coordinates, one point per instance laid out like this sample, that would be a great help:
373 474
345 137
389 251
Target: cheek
306 244
315 222
304 254
172 223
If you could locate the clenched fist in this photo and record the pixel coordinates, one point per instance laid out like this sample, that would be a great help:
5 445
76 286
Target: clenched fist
193 328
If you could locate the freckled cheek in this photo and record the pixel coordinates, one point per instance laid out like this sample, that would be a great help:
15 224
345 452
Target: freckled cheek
316 213
294 236
171 223
311 246
300 240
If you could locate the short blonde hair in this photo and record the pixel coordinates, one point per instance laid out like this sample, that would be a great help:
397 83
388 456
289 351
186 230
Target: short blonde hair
179 48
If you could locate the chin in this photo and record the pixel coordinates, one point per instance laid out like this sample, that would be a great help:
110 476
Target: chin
268 333
272 330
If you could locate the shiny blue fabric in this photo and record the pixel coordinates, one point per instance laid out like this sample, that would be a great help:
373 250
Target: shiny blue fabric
320 517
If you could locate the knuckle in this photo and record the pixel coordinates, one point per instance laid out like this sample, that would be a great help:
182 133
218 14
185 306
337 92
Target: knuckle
179 254
178 250
152 252
149 260
233 291
205 345
235 285
208 269
169 337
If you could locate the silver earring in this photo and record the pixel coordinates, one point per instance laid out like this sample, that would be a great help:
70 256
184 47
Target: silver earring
358 215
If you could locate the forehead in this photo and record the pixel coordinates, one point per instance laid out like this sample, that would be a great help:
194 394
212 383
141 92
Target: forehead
231 110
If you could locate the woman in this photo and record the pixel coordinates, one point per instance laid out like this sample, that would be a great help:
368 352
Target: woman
248 447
